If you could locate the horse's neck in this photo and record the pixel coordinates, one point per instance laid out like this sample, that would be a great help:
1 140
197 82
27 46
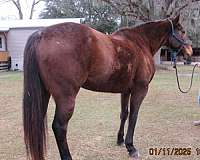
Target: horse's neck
152 35
155 35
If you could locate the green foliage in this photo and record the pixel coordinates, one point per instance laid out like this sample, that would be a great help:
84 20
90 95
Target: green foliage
102 19
96 14
61 9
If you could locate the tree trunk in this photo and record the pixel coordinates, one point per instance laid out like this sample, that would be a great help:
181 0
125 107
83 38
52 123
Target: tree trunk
20 14
32 10
18 6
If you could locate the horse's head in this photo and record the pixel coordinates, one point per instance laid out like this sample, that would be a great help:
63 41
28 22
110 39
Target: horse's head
178 39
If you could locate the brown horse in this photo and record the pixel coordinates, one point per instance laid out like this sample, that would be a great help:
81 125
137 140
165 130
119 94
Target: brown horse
62 58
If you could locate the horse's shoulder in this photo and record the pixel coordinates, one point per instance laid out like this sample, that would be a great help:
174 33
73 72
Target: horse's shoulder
120 41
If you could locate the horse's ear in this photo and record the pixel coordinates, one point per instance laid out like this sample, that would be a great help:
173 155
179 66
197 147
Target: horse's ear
176 19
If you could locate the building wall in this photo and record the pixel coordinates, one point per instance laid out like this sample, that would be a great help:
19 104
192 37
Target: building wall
16 40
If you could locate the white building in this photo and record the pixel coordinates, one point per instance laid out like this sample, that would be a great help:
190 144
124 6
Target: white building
14 34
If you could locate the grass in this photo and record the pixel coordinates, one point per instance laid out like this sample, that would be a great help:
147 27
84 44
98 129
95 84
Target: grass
165 120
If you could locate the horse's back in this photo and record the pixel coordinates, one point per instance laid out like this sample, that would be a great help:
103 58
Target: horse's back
75 40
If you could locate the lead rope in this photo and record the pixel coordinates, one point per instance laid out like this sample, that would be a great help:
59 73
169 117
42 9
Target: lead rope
191 81
174 65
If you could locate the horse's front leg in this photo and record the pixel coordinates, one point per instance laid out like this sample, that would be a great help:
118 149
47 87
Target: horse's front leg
123 117
137 95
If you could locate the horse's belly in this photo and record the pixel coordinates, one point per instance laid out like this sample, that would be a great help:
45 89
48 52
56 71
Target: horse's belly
114 84
104 87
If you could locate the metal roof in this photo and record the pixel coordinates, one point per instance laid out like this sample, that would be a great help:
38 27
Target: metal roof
4 29
5 25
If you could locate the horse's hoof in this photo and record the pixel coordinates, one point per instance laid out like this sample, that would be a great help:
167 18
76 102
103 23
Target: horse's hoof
120 143
134 155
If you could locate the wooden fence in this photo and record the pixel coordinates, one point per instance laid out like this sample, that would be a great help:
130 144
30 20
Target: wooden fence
5 61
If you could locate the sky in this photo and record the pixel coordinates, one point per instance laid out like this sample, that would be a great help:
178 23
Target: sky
9 11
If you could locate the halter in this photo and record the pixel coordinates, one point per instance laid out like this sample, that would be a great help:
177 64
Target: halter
182 44
175 36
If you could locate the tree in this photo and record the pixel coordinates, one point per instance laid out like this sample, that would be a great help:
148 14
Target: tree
192 22
102 19
34 3
96 13
63 8
18 6
147 10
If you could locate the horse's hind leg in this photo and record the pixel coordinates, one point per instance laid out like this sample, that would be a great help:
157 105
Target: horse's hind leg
137 96
64 111
123 117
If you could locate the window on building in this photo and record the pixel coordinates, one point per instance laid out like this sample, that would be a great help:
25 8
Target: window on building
1 46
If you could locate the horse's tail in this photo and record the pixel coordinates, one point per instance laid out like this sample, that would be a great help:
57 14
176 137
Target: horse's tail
35 102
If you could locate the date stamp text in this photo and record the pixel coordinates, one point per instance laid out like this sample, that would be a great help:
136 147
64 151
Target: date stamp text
174 151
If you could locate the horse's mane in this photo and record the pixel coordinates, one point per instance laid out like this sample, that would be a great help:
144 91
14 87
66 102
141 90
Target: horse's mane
137 27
